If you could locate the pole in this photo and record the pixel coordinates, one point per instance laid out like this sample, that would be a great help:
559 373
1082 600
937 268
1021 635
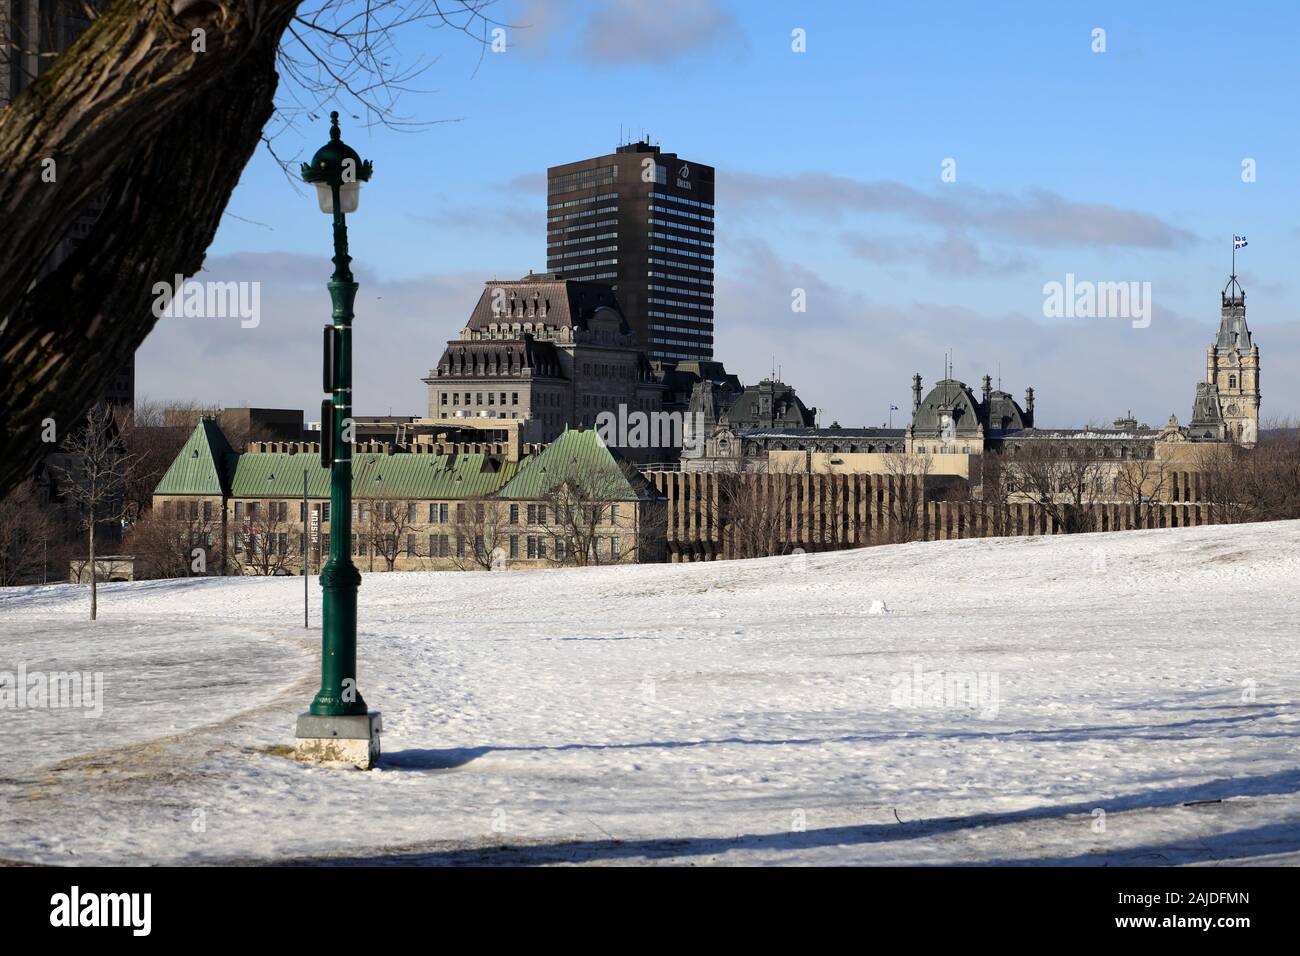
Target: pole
306 550
338 695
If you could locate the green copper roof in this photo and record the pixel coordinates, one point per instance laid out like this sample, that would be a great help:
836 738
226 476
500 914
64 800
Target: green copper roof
401 475
582 457
200 466
207 465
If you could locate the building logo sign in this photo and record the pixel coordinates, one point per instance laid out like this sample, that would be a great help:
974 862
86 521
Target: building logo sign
315 525
683 177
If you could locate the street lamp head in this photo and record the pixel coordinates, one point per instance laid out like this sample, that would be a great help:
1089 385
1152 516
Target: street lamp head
337 167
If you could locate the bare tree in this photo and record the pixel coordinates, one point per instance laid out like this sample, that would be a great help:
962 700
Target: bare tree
582 512
389 530
27 528
1064 479
908 473
96 476
168 542
1142 484
265 542
149 118
480 528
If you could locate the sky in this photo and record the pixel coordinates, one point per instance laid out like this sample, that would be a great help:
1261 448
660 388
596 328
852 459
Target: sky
835 176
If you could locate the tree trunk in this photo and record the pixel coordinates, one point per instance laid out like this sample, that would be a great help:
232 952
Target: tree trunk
156 135
94 578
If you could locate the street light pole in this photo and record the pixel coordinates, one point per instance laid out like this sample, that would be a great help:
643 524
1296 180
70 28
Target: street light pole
337 724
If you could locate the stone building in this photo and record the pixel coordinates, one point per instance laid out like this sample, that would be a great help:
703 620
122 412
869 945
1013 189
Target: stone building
550 352
1231 377
416 506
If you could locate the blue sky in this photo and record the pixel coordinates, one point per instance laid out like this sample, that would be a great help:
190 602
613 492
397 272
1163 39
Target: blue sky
1116 166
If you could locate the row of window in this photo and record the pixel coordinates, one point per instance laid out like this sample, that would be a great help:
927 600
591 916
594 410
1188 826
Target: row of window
703 320
680 278
582 225
583 179
478 398
677 302
599 211
683 252
680 200
593 277
681 212
581 240
681 227
691 292
677 265
582 202
578 253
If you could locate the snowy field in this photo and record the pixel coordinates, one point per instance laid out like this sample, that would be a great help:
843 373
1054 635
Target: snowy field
1025 700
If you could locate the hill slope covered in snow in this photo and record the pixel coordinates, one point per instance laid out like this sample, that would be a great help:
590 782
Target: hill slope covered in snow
1023 700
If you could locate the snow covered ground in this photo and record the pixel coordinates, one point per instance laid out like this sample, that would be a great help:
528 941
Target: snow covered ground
1024 700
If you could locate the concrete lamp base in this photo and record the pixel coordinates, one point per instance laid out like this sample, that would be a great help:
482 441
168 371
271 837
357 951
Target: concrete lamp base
339 742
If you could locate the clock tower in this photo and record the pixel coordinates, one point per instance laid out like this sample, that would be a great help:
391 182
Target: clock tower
1232 366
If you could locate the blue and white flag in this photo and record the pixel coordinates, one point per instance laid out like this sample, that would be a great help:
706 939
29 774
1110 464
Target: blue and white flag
1239 242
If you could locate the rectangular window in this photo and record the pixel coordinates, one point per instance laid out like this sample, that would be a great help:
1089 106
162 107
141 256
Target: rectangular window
442 511
410 545
411 512
444 548
514 398
284 542
442 398
613 548
532 546
460 546
514 546
207 511
479 513
559 549
541 547
613 514
541 514
325 511
433 545
252 511
514 514
433 514
532 514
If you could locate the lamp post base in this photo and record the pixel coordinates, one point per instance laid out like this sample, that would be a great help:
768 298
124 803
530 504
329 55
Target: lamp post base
339 742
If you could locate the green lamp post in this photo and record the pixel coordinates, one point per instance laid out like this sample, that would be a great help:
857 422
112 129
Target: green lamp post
338 712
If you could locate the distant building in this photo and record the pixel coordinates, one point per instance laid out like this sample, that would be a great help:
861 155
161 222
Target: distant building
243 424
418 506
547 351
641 220
1231 375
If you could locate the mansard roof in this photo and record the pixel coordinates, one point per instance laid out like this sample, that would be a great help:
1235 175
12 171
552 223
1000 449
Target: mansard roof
544 299
1233 331
498 358
953 398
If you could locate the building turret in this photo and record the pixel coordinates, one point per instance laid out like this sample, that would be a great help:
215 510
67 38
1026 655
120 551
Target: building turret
916 392
1029 407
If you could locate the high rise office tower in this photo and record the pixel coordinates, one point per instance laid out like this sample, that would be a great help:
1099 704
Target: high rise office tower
641 220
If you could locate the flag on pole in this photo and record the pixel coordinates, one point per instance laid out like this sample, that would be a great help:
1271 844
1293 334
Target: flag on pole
1239 242
893 408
